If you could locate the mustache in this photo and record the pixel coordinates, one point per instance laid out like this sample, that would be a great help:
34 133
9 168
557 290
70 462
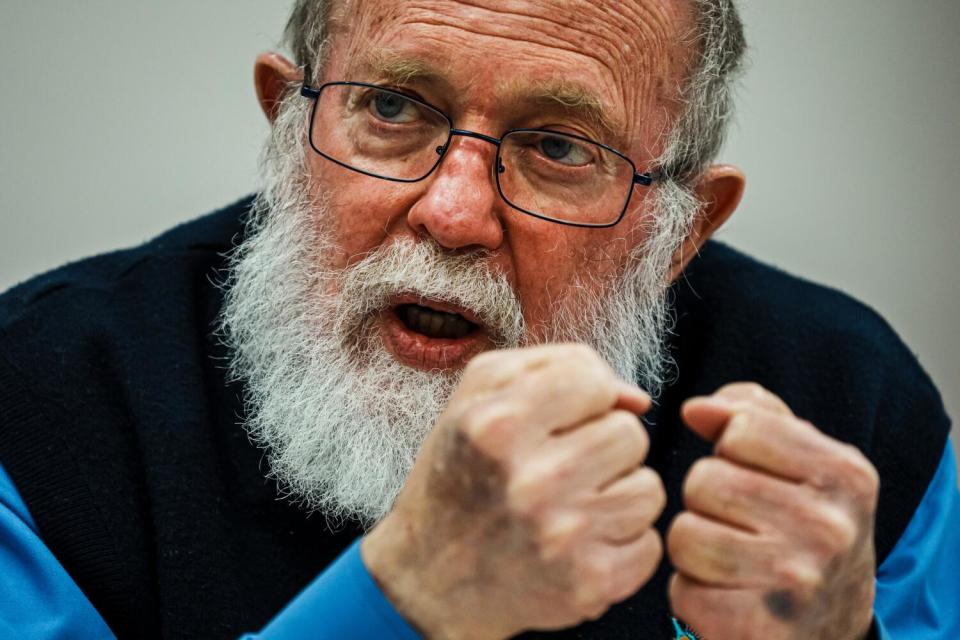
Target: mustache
423 269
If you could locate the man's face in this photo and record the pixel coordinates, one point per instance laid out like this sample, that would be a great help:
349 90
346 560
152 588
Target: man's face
342 384
492 67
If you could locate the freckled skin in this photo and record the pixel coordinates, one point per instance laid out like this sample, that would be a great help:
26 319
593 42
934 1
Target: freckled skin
621 50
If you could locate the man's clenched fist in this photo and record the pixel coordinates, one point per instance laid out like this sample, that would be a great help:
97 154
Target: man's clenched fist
777 538
528 507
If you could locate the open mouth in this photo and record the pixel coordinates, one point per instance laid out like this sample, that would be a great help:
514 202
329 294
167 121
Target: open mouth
433 323
432 334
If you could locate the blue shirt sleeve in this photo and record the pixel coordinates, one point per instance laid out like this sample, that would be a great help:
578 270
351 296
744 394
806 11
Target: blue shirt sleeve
40 601
344 602
38 598
918 585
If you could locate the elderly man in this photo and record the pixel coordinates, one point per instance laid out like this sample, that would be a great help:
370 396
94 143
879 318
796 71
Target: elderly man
478 259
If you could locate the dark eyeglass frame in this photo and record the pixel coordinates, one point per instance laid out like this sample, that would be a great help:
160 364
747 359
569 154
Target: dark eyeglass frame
643 179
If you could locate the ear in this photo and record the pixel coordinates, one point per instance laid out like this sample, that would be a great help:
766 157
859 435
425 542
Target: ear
720 191
273 74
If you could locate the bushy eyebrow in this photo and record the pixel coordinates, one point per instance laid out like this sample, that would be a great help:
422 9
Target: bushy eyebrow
391 67
569 97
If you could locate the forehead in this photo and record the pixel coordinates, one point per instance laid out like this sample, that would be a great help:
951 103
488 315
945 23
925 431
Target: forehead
624 54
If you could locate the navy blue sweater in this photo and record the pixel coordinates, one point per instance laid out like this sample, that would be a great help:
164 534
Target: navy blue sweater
124 438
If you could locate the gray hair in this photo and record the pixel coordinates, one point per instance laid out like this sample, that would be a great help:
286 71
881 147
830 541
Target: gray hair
718 44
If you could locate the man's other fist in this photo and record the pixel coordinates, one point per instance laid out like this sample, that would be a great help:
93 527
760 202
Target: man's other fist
777 537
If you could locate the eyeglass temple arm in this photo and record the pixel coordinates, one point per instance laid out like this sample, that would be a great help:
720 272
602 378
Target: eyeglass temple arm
309 92
647 179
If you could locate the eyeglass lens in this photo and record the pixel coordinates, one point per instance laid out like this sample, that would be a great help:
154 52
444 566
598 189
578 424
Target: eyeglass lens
549 174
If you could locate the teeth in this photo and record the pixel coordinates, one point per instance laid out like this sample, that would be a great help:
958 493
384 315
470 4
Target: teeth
435 324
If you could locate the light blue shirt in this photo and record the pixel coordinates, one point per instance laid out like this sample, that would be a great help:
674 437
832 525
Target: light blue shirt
918 585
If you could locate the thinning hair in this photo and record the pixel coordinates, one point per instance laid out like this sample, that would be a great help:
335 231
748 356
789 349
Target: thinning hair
706 95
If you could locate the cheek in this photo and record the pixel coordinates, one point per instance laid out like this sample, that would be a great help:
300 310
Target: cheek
548 261
361 211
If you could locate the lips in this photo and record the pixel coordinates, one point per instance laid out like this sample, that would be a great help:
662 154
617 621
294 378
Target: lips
431 335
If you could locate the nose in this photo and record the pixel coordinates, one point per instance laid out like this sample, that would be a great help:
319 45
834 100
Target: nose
460 207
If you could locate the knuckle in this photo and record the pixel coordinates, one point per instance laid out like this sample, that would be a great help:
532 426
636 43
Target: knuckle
482 363
798 576
590 364
859 474
655 489
833 530
533 487
748 391
526 495
681 535
604 574
656 546
587 595
754 391
590 606
737 435
653 552
601 576
559 471
559 534
628 431
487 430
701 479
471 423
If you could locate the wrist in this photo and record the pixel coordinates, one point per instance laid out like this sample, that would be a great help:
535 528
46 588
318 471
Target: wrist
392 555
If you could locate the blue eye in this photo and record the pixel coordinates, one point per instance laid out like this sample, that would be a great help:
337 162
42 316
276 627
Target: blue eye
389 105
555 148
392 107
564 150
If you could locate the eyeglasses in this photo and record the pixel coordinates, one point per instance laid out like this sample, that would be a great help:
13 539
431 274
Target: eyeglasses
559 177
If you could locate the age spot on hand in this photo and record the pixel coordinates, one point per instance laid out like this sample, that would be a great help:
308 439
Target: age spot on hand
781 604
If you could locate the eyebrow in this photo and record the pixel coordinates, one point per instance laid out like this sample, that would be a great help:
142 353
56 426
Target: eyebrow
567 96
396 68
572 98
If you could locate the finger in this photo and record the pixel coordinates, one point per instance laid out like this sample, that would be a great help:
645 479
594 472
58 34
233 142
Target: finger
559 388
492 370
772 441
717 554
581 460
751 500
631 398
751 393
784 446
626 508
612 573
574 385
708 415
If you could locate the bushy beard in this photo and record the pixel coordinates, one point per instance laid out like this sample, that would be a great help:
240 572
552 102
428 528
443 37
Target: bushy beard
340 419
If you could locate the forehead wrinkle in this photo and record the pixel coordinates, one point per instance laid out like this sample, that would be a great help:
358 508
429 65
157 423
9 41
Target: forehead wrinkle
571 97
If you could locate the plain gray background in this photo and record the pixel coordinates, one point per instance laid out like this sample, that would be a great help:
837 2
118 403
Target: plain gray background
122 117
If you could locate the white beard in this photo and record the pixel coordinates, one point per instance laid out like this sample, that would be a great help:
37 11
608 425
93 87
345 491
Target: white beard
340 419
